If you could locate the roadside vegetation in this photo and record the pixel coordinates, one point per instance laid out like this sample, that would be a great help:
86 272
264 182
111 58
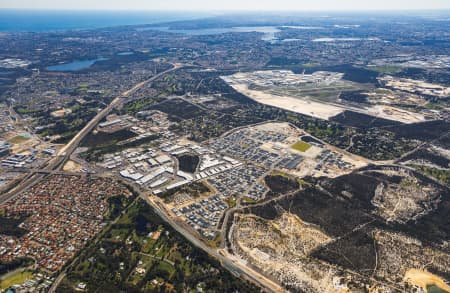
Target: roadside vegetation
106 147
141 253
386 69
15 279
440 174
21 262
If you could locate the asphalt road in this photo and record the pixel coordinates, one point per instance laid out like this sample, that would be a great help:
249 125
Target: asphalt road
70 147
64 154
233 266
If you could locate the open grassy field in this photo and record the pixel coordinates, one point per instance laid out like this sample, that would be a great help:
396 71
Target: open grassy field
385 69
301 146
435 289
18 139
15 279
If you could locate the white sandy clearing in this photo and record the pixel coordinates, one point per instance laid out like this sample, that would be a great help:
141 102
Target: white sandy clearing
61 113
396 114
72 166
424 279
310 108
325 111
413 85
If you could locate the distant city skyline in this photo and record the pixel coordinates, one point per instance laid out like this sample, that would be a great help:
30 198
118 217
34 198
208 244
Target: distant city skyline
229 5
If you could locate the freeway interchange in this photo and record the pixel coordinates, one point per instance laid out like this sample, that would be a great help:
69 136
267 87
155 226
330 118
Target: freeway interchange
55 165
64 154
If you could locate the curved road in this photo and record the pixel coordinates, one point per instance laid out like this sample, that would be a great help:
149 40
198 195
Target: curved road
64 154
234 266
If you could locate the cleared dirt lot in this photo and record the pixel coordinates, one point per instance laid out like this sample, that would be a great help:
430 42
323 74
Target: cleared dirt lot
424 279
315 95
309 108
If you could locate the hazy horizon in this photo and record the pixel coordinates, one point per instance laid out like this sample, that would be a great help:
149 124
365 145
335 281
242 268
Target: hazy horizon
230 5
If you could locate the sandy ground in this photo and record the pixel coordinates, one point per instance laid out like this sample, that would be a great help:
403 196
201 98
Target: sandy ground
326 111
71 166
412 85
307 166
61 113
26 146
310 108
279 247
423 279
396 114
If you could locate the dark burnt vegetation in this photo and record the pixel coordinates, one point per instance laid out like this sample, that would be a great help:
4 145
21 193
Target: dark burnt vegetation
351 72
424 131
106 138
194 189
188 162
17 263
443 141
360 120
311 205
440 76
355 251
342 208
279 184
377 139
358 97
10 226
425 154
179 108
347 203
379 144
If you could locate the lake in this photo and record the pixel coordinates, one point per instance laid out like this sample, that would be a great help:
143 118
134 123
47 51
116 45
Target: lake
75 65
125 53
268 31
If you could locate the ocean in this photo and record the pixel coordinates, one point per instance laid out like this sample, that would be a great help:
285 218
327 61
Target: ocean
52 20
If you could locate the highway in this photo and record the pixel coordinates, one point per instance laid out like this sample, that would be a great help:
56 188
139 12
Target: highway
54 165
64 154
233 266
69 148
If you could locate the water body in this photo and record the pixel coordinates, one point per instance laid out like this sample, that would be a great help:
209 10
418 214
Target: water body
125 53
75 65
330 40
13 20
268 31
303 27
291 40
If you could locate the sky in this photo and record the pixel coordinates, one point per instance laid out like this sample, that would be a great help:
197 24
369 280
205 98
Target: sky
224 5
